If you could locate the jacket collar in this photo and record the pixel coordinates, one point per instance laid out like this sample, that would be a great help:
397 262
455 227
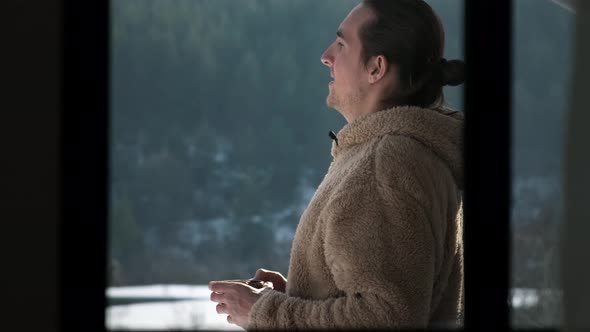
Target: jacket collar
440 130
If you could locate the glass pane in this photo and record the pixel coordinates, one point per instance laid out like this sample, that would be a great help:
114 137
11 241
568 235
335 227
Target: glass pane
219 139
542 38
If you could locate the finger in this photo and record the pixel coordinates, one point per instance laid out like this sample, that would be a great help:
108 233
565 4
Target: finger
221 308
217 286
217 297
224 286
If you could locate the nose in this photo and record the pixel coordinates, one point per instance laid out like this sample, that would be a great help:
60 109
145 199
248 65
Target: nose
326 58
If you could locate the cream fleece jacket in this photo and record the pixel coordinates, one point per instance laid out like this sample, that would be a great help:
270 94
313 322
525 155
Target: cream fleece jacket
380 244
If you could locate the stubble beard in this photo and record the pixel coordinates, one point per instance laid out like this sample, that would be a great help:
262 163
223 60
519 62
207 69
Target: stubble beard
343 103
332 100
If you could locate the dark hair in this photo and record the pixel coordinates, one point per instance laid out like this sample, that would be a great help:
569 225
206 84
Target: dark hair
409 34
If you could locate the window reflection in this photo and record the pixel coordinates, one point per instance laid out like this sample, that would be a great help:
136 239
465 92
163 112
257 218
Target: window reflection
542 34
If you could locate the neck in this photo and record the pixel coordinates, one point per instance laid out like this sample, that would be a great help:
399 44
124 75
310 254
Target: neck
367 106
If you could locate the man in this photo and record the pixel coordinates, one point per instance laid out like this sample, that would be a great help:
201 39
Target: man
379 245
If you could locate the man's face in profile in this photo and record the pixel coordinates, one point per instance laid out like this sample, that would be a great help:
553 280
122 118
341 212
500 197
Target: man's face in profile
343 57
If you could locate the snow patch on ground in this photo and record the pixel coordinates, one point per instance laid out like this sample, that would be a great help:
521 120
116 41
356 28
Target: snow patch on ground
184 307
194 312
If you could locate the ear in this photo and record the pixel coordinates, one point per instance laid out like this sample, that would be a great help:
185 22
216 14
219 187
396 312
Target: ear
377 67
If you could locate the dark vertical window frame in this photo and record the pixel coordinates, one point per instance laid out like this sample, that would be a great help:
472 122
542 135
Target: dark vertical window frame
85 168
488 89
488 175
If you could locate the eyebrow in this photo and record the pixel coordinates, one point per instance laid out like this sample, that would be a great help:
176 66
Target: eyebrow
340 34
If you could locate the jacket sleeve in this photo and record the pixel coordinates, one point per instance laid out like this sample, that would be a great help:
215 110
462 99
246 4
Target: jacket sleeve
379 247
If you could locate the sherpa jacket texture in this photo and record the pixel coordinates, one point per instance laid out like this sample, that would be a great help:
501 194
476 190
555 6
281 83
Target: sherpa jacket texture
380 243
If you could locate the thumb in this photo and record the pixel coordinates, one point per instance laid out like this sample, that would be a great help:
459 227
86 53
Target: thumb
260 274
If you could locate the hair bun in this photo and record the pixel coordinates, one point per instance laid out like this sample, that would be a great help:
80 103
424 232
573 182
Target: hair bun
453 72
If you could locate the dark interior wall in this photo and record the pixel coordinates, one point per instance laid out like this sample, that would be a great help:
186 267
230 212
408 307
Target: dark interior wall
29 141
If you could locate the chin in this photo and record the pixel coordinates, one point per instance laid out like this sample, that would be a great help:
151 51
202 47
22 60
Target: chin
331 100
330 103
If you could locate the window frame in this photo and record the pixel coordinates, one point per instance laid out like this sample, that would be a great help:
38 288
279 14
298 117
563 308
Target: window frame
84 157
487 102
85 164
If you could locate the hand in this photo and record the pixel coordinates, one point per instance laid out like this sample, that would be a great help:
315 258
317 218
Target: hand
278 281
235 299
